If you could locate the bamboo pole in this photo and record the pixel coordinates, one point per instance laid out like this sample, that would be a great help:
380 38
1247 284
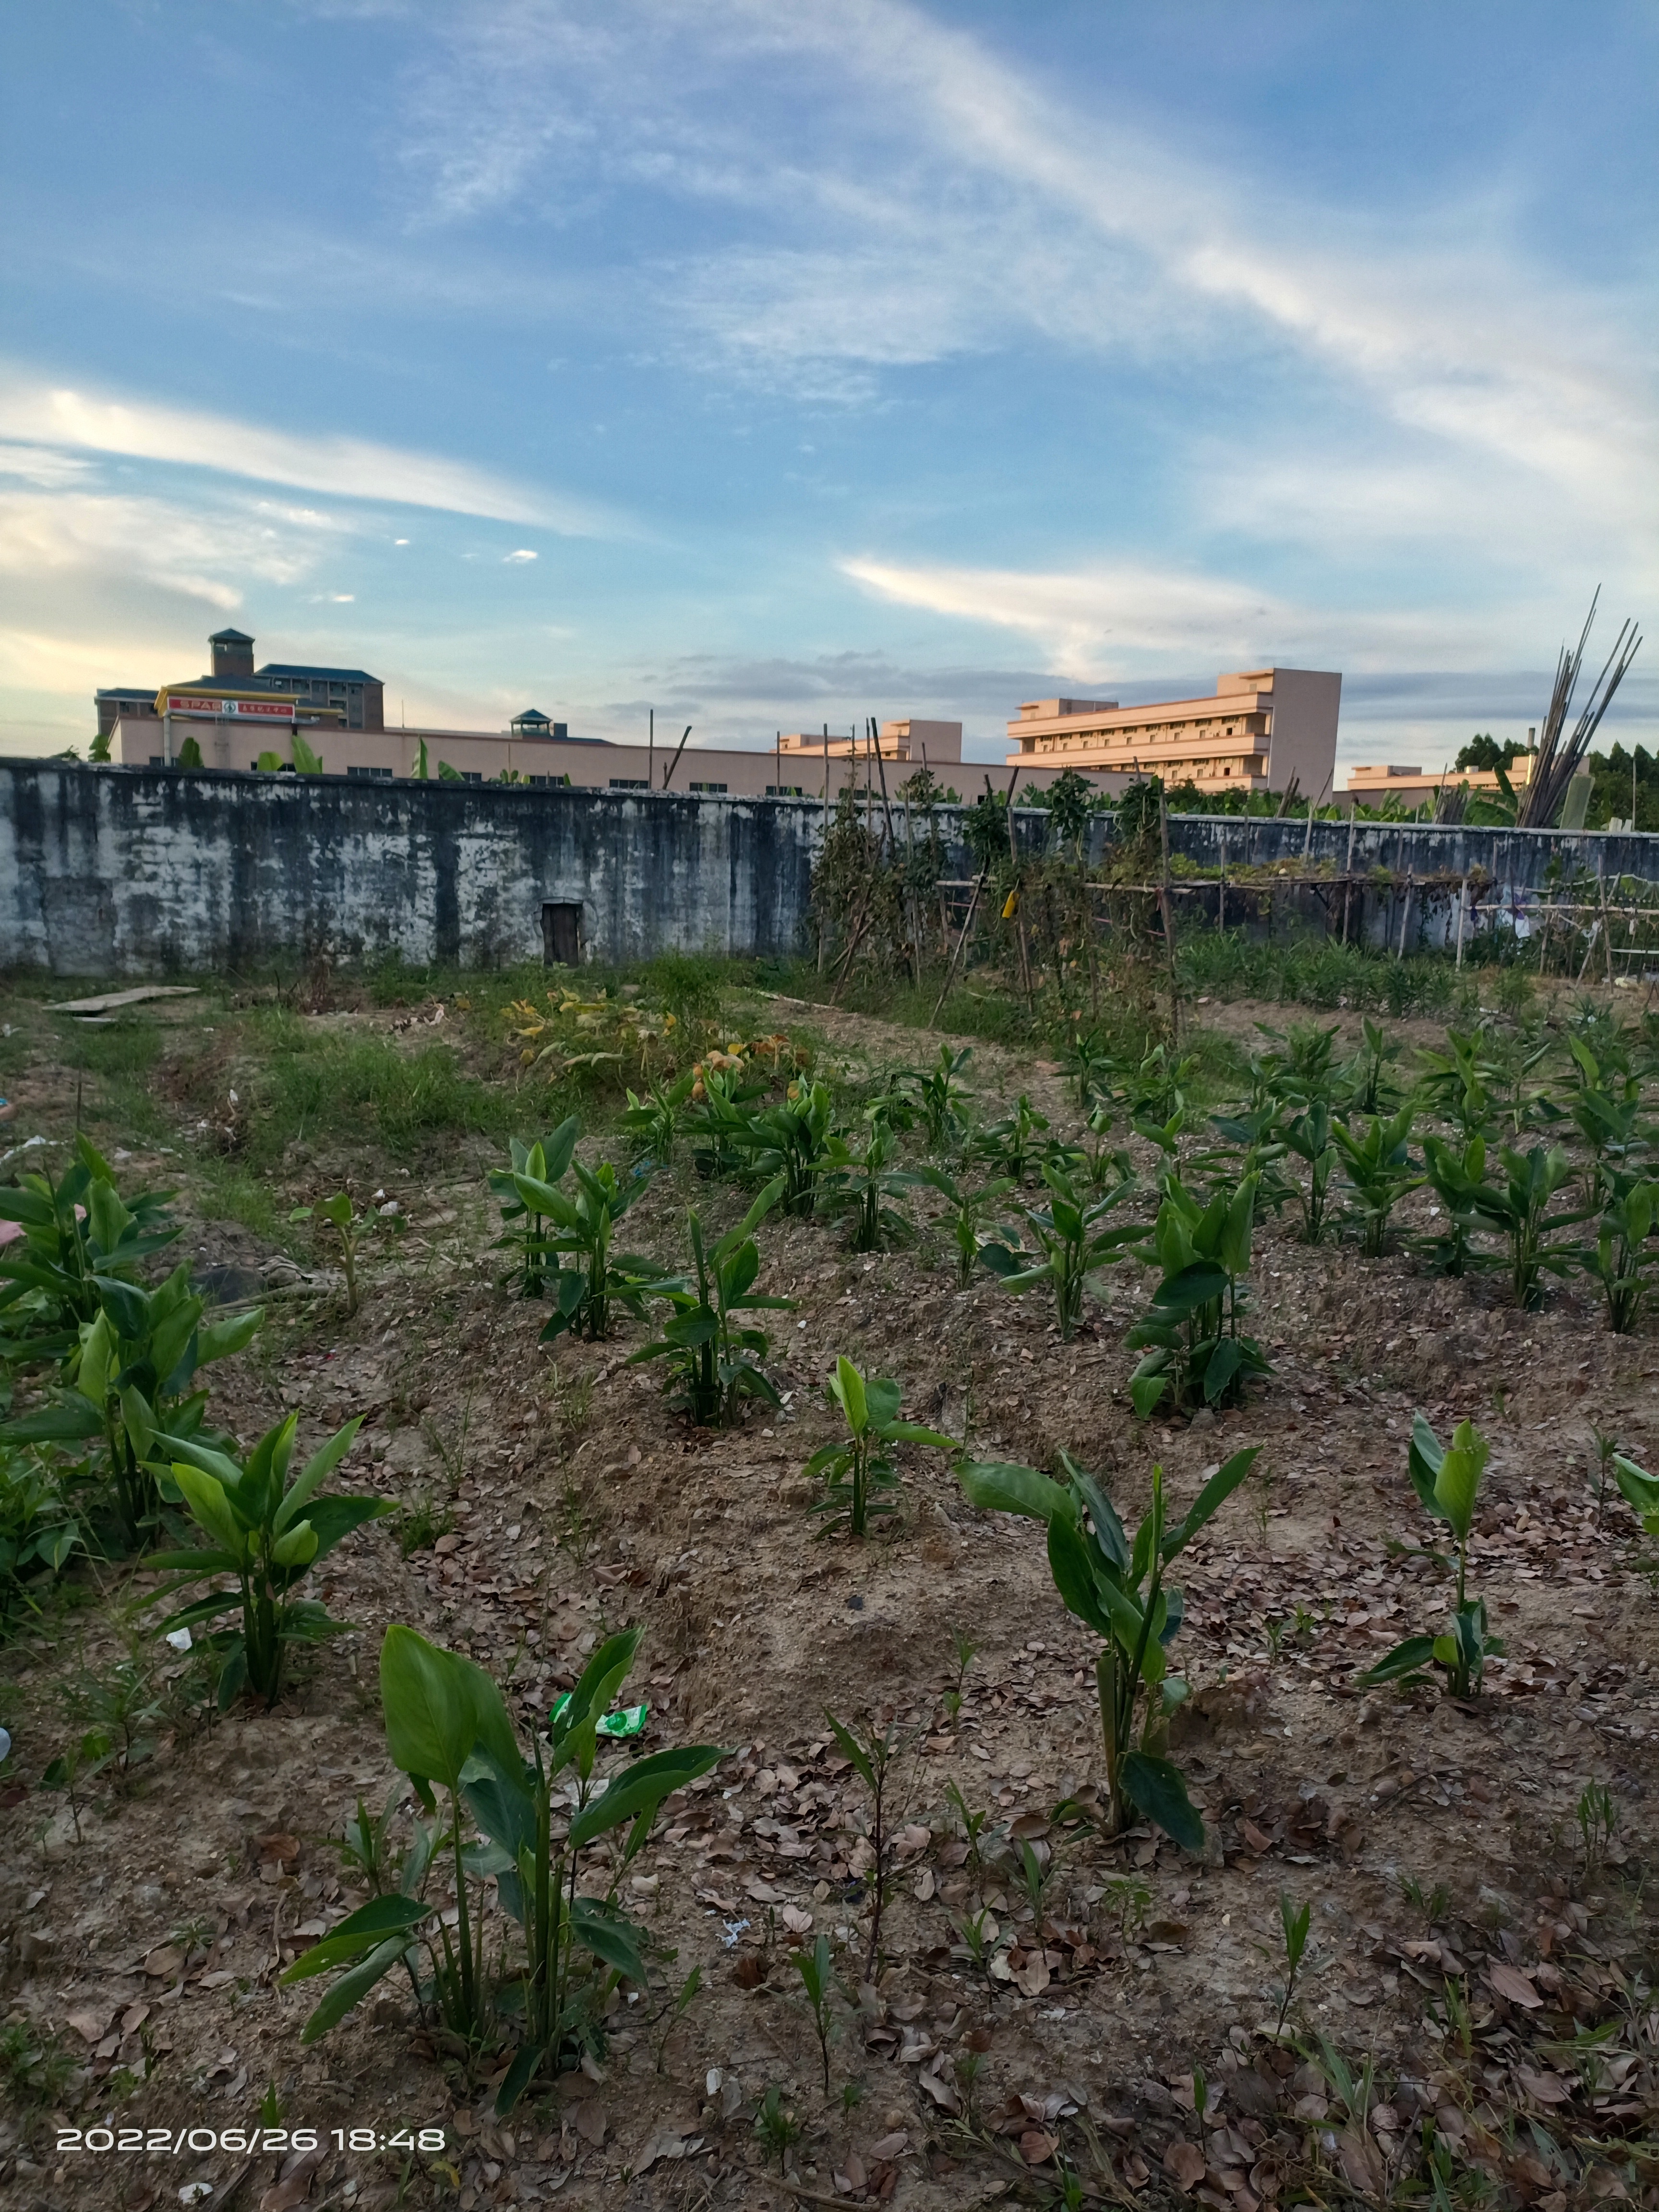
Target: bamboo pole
1168 915
951 972
1462 905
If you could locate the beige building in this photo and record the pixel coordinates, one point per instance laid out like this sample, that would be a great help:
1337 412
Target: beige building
1371 787
1263 726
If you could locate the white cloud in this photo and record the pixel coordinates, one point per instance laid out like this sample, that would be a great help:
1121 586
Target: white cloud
524 553
348 467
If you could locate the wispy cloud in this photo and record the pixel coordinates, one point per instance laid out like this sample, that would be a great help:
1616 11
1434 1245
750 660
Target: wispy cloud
348 467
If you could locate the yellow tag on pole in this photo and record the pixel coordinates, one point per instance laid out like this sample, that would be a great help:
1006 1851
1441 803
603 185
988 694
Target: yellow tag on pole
1012 906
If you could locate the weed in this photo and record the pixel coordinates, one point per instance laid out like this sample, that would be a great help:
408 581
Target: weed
1598 1816
873 1753
1433 1906
973 1825
676 2011
777 2128
1293 1923
34 2066
1119 1590
965 1654
967 1209
421 1522
818 1979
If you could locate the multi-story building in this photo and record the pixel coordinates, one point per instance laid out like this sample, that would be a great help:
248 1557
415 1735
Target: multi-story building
1374 786
1263 726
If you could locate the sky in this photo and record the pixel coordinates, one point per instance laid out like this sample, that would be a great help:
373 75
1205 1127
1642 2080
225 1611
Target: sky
772 365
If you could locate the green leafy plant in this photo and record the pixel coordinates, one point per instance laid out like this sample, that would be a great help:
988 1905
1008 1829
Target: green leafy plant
269 1532
963 1654
855 1468
1369 1087
131 1378
1598 1817
967 1211
581 1229
1457 1082
776 2126
448 1725
1308 1134
654 1121
788 1143
940 1097
1194 1351
524 1224
81 1759
38 1531
1072 1244
1456 1176
1013 1143
1376 1164
1639 1490
1118 1588
1517 1207
861 1184
713 1365
1447 1480
77 1232
1622 1258
342 1216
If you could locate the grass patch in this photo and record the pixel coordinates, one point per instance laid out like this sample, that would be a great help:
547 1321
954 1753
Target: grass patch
226 1191
1314 971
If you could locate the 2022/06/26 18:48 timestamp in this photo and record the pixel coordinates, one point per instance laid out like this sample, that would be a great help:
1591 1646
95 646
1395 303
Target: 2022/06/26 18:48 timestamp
174 2142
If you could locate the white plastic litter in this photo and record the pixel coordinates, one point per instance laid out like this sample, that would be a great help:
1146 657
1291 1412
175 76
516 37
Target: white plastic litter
180 1638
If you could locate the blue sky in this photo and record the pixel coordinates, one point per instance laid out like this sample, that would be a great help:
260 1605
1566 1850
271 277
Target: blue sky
781 364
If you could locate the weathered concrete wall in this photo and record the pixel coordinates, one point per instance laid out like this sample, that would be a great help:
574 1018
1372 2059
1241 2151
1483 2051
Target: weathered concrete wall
139 871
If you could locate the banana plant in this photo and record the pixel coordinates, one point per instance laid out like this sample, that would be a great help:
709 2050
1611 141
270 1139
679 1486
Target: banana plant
1119 1589
1458 1083
1516 1206
716 1118
76 1231
524 1225
130 1376
712 1365
538 1818
854 1469
1378 1166
1621 1259
789 1141
1194 1351
581 1229
1370 1088
967 1209
1447 1480
1606 1103
269 1533
1072 1242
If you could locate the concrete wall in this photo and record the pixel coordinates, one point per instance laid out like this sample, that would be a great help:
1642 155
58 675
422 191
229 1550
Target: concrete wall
139 871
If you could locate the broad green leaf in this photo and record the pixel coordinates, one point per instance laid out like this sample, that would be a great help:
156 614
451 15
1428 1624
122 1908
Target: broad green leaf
1147 1393
1210 1500
615 1941
1219 1368
1073 1569
438 1707
211 1507
295 1546
847 1385
1636 1486
1458 1482
92 1375
217 1340
641 1788
371 1923
852 1749
908 1433
1001 1486
71 1420
1156 1788
1195 1286
1423 1463
352 1987
1407 1658
317 1468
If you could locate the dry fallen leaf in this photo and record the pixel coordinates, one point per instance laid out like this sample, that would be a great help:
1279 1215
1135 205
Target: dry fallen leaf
891 2147
1033 1976
1512 1984
93 2026
796 1921
1036 2148
1544 2088
589 2121
923 1886
1184 2163
167 1960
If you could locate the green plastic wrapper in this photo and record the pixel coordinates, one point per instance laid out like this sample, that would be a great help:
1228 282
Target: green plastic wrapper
628 1720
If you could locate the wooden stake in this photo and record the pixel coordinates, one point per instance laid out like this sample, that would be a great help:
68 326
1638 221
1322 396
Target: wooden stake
1169 912
951 972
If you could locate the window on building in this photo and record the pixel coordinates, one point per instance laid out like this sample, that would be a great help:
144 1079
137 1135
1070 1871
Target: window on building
472 775
371 774
710 787
632 783
785 790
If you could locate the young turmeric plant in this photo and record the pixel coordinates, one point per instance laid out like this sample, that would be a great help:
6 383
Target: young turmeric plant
1118 1588
1447 1480
856 1471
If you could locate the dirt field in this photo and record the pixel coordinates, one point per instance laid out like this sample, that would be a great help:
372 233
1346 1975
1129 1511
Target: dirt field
1515 2009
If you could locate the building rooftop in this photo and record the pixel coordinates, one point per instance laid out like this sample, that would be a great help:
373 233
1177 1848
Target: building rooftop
297 669
230 637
